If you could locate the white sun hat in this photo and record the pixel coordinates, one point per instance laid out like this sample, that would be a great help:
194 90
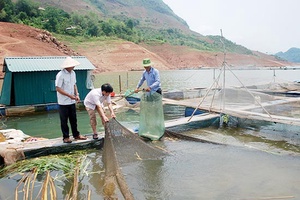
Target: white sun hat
69 62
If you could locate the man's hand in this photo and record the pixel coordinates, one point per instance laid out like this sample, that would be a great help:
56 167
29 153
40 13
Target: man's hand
104 119
77 98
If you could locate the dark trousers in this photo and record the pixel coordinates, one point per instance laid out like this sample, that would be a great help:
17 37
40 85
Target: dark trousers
68 112
159 91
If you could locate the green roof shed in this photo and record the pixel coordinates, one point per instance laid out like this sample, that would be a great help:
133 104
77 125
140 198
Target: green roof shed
31 80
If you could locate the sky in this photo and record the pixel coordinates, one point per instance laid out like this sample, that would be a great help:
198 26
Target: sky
268 26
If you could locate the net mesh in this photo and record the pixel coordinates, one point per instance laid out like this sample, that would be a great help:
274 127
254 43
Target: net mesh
277 86
152 123
121 146
271 109
242 103
248 103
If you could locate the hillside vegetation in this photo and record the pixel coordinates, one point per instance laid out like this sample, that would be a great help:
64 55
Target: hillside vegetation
117 35
132 20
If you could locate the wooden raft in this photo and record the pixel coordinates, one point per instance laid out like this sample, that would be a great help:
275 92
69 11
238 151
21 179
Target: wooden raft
244 111
10 153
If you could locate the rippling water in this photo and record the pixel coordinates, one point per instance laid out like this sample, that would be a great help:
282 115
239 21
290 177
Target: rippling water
249 164
183 79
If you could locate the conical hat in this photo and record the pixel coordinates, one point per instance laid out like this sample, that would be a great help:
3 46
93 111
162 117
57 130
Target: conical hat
69 62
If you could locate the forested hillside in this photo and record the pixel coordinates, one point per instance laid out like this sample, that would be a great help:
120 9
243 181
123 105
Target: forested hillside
132 20
117 35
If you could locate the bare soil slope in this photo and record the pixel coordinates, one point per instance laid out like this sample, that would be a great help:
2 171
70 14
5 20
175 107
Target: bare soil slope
21 40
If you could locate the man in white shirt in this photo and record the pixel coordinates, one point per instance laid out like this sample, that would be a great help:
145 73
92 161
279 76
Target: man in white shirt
67 96
94 101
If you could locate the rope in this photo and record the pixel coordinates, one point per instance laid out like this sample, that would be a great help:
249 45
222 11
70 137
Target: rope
207 92
131 93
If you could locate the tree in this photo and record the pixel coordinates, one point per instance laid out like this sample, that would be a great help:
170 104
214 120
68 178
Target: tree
130 24
93 30
22 16
56 20
6 10
28 7
51 24
107 28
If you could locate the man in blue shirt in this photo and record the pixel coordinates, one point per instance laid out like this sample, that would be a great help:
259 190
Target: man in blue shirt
151 76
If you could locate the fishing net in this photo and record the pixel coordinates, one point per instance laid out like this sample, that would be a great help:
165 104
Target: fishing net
276 87
272 109
247 104
152 124
131 96
244 102
121 146
131 93
256 108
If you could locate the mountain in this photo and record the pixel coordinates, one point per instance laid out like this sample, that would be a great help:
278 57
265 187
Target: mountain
153 19
181 48
150 13
291 55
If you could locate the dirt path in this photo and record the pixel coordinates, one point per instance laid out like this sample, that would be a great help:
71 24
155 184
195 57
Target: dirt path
6 43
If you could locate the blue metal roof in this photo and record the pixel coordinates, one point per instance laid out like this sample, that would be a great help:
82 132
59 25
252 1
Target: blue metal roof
43 63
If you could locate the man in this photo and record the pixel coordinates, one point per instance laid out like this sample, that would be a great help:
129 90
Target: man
151 76
67 96
94 101
151 123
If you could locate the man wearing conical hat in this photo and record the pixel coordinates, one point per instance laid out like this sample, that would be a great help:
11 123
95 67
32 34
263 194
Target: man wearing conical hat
67 96
151 76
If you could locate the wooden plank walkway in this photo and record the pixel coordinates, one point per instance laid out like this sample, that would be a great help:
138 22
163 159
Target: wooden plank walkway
244 111
54 146
11 153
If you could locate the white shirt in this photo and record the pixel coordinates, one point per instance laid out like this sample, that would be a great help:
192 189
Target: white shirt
66 81
95 97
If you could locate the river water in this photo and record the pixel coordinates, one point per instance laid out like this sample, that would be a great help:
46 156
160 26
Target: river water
247 166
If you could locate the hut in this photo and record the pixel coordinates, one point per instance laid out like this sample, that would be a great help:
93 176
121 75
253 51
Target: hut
31 80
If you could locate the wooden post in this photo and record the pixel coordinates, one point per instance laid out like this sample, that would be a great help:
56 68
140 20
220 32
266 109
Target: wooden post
120 83
127 80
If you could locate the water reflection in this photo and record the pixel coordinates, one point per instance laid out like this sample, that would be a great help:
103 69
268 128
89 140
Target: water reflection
150 173
245 167
248 138
253 164
176 80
